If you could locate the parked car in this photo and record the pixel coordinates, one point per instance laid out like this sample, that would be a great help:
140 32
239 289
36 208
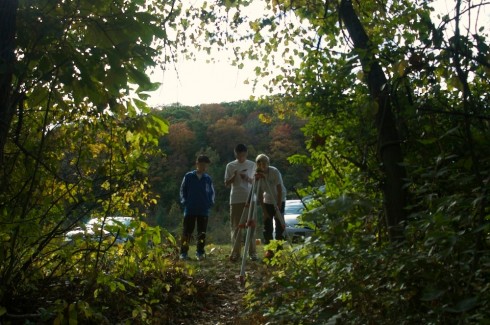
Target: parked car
112 227
295 230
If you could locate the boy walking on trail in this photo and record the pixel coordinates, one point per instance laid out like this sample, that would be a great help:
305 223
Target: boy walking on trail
197 196
239 176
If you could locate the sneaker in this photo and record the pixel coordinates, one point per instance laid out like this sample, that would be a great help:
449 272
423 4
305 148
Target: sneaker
183 256
200 256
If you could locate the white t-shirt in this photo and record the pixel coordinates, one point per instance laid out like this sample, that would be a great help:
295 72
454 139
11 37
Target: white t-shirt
240 188
269 189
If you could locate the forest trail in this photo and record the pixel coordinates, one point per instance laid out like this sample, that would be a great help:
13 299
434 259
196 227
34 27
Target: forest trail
220 296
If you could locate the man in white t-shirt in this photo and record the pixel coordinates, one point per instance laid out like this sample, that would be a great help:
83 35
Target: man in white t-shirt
239 176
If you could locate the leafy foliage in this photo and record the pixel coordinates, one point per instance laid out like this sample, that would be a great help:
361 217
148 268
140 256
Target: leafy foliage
77 141
75 144
436 82
347 274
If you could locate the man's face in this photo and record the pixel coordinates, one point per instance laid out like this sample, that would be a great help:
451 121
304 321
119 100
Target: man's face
202 167
262 165
241 156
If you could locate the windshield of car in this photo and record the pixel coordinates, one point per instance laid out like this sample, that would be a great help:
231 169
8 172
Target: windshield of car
110 221
293 208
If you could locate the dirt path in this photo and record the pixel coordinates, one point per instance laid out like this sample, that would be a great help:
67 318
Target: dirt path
220 296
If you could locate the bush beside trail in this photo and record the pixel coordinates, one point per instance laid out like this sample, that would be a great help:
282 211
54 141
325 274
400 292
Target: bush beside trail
138 284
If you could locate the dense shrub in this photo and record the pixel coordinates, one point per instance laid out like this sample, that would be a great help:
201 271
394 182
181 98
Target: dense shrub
345 274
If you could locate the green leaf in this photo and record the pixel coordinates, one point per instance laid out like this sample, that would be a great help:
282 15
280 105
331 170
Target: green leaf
464 305
72 315
401 67
432 294
427 141
162 124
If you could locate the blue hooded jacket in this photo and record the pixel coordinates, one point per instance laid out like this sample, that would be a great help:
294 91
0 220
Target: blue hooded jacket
197 195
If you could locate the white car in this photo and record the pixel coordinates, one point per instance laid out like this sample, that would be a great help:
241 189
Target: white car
112 226
294 229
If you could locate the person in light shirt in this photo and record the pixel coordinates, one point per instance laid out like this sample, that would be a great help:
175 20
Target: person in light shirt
239 175
272 196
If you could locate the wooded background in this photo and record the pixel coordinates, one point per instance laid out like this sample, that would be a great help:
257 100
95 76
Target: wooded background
215 129
392 101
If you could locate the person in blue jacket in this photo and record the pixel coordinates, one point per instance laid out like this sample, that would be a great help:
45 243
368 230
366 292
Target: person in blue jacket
197 197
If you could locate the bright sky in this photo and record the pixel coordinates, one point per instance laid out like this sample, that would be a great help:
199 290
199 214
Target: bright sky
201 82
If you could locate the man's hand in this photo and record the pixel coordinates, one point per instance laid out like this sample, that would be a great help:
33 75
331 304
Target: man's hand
231 179
243 175
259 175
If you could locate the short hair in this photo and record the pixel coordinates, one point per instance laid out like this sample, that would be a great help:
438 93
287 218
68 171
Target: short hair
240 148
203 159
262 157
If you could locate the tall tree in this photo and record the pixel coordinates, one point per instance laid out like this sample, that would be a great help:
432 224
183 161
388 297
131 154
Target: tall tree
283 144
8 14
374 42
363 64
182 137
211 112
316 24
225 134
389 148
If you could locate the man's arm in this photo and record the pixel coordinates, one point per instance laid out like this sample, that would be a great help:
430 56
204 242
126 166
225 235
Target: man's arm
229 179
213 192
183 191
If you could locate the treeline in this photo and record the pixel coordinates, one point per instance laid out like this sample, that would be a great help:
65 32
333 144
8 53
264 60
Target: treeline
215 129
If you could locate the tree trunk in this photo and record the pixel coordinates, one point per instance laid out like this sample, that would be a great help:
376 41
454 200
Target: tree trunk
389 149
8 14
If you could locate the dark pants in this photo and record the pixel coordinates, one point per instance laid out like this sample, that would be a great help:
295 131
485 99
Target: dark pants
189 223
271 217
